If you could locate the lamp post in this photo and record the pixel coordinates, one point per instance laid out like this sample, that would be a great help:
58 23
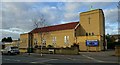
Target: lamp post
18 43
41 50
41 43
29 43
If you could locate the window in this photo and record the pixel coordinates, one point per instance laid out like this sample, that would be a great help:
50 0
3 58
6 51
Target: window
35 41
89 33
54 40
66 39
86 34
44 42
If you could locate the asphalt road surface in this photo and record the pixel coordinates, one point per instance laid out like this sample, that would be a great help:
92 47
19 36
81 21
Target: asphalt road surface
84 57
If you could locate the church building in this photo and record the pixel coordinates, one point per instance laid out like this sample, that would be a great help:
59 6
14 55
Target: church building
88 33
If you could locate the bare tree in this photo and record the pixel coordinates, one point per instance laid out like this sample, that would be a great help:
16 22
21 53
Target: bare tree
40 21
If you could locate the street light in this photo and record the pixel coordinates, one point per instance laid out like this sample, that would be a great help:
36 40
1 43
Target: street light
41 49
41 43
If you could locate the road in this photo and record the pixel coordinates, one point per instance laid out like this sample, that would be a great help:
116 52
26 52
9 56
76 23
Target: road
84 57
45 59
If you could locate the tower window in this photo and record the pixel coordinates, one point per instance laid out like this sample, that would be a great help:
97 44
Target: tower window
86 34
89 33
89 18
92 33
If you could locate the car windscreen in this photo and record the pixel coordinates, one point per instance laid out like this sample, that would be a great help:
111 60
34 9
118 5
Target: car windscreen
14 47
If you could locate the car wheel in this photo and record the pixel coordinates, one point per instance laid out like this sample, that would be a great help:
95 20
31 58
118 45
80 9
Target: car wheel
2 53
9 53
18 53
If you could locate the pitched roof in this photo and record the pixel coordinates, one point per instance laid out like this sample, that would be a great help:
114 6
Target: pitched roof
66 26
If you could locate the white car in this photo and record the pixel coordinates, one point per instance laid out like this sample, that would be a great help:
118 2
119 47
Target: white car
10 50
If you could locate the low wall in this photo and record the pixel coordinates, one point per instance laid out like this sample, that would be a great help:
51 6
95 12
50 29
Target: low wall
44 50
82 43
117 50
69 51
23 50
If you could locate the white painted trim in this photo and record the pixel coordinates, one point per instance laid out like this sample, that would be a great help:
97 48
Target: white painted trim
77 25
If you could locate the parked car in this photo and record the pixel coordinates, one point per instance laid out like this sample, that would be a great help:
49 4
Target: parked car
10 50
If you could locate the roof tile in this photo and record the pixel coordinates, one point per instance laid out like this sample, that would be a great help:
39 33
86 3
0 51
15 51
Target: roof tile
66 26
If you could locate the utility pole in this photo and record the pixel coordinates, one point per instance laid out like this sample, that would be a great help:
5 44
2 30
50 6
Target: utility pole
118 29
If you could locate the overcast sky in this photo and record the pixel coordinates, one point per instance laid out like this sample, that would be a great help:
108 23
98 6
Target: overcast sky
17 16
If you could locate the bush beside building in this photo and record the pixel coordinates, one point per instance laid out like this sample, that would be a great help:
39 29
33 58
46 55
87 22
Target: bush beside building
73 50
69 51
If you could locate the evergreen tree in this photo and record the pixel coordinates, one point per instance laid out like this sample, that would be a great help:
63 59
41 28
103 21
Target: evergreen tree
4 39
8 39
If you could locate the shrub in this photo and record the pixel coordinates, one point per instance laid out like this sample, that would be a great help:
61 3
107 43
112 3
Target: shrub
36 46
50 46
42 46
67 47
117 43
75 45
111 45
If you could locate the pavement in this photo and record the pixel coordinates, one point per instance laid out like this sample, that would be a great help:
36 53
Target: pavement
84 57
103 56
